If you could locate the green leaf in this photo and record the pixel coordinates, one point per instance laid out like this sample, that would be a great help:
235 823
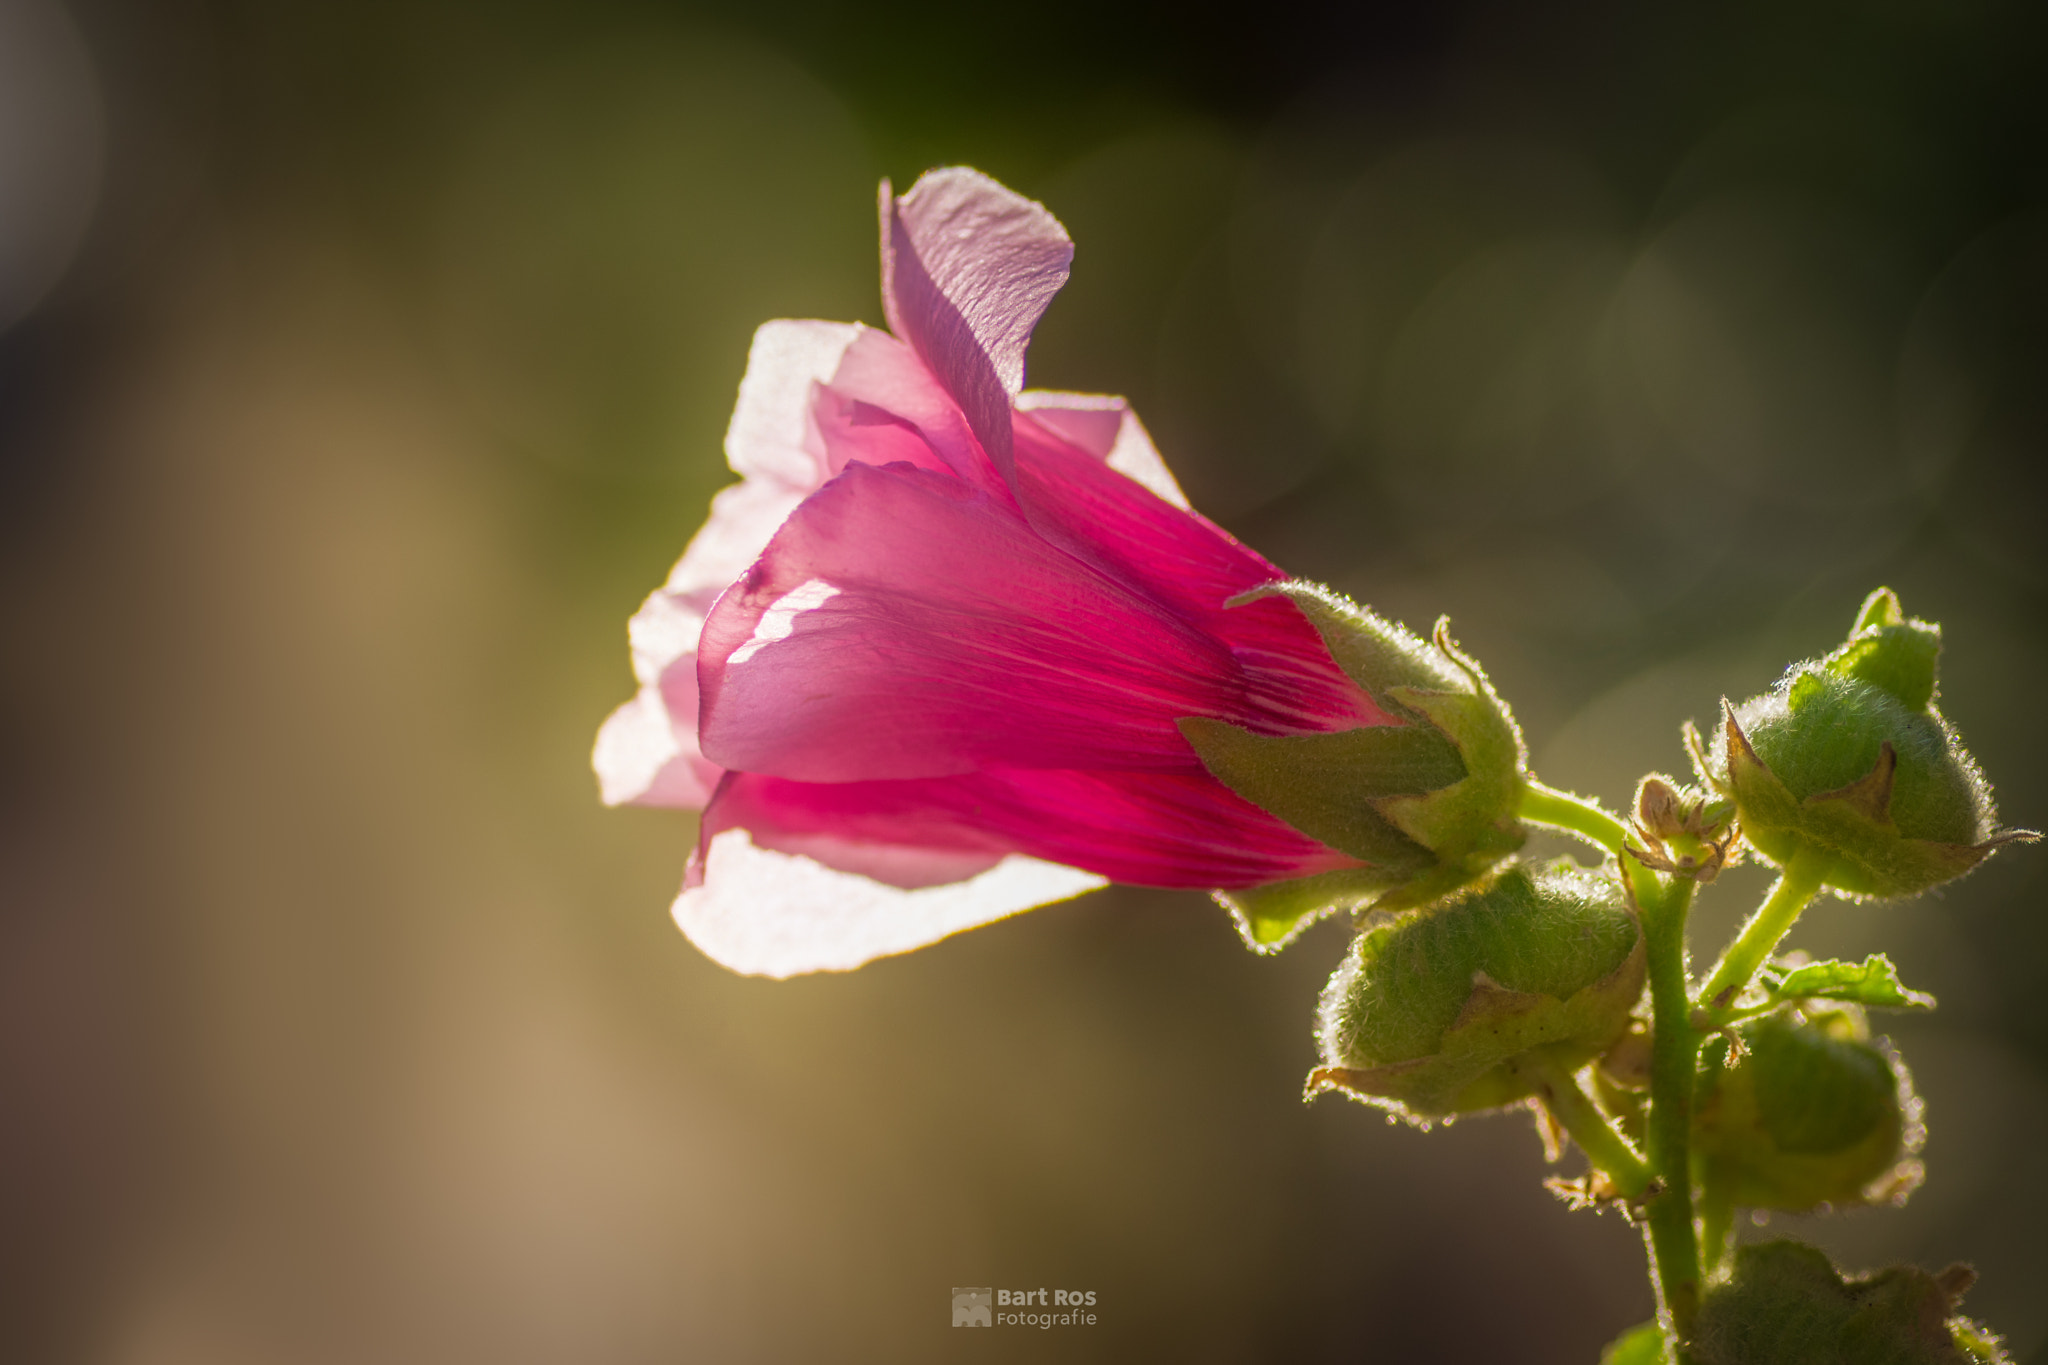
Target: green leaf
1872 982
1642 1345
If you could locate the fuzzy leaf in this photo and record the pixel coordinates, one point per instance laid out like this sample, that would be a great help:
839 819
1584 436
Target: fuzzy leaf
1873 982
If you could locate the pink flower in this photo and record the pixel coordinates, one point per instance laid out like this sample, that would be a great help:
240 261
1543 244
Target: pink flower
923 666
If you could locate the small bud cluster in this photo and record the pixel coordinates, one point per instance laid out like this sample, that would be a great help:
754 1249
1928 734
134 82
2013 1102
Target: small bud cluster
1479 981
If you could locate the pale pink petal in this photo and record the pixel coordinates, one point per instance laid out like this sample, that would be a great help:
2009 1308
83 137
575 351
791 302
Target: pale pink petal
765 913
647 752
968 268
744 517
884 405
952 637
1106 428
768 435
645 758
1147 829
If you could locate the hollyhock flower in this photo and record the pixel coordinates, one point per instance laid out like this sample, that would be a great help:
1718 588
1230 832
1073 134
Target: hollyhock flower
927 663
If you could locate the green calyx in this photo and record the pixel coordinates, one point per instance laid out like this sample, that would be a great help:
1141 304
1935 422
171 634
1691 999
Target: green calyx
1810 1113
1428 805
1786 1304
1848 757
1428 1014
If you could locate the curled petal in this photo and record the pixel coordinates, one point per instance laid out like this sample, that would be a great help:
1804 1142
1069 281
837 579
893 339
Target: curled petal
766 913
883 406
968 268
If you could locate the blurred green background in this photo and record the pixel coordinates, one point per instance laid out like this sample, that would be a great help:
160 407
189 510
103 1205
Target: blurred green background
338 1022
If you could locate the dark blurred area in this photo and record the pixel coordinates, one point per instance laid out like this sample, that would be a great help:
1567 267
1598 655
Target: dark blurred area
364 365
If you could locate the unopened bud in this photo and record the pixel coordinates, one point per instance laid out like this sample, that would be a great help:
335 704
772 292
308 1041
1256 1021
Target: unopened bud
1848 759
1427 1014
1786 1304
1811 1114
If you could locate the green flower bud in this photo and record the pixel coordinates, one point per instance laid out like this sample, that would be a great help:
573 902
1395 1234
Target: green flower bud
1786 1304
1848 758
1429 1013
1429 805
1810 1114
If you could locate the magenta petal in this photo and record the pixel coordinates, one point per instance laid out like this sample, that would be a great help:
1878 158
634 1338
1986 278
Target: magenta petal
1192 567
807 818
1147 829
902 624
1106 428
968 268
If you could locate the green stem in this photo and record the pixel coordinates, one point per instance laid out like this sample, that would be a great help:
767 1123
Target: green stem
1674 1053
1581 815
1674 1048
1585 817
1717 1180
1797 885
1576 1113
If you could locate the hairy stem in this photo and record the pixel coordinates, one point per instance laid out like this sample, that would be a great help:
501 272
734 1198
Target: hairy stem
1580 815
1674 1049
1674 1054
1575 1112
1717 1181
1587 818
1797 885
